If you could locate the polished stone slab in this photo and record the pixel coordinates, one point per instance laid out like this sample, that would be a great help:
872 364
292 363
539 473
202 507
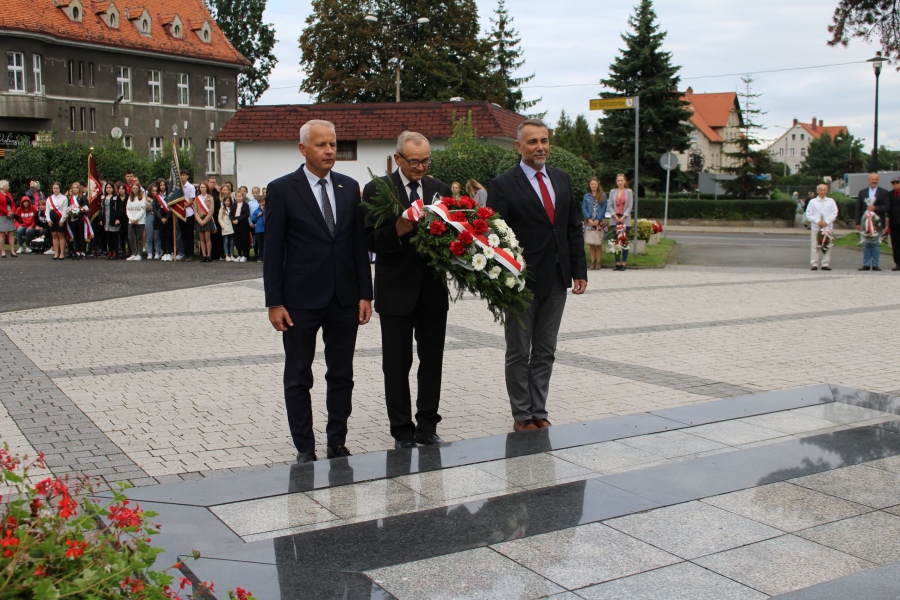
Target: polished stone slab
862 484
872 537
882 583
872 400
673 444
683 581
748 406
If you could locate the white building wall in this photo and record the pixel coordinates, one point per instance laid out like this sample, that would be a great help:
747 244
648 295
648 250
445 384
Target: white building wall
791 148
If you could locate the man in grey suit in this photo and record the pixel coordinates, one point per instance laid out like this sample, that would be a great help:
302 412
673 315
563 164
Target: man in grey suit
537 202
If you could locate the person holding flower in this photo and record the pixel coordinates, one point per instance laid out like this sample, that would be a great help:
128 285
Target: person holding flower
593 209
871 209
821 212
57 207
78 225
621 203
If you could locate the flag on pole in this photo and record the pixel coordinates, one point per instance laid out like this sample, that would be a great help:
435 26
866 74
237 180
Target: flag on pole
175 199
95 188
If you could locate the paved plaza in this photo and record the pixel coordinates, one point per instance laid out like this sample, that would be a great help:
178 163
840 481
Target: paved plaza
183 388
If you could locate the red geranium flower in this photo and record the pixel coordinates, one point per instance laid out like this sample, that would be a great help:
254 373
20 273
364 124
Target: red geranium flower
485 213
437 228
448 202
39 572
466 202
480 226
76 548
459 217
457 248
465 237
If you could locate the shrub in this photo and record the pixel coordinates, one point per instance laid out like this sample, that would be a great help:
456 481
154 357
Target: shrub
732 210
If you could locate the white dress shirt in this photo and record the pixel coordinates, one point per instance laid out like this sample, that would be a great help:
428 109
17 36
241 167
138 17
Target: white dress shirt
821 209
316 188
190 192
530 174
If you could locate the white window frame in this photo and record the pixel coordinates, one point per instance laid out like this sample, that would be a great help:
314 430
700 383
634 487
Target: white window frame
156 147
128 142
184 91
93 117
123 80
212 157
184 143
155 82
209 86
15 62
37 71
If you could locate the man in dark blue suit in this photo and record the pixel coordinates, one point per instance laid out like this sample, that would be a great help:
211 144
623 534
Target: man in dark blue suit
538 203
317 275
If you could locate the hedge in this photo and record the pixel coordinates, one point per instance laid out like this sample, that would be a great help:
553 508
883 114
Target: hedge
723 209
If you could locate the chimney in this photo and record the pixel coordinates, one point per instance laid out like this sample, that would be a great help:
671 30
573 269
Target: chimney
690 90
820 123
813 124
795 121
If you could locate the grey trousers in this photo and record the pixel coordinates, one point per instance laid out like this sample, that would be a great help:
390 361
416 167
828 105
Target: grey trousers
530 352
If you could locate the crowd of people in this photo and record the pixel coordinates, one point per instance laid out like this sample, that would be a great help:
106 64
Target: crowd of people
133 221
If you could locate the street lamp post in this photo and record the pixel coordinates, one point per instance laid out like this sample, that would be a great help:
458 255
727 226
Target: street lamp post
419 21
877 62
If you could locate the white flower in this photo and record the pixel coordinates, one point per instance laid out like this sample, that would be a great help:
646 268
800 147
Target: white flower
494 273
479 262
489 253
494 240
520 259
520 283
512 239
500 226
510 281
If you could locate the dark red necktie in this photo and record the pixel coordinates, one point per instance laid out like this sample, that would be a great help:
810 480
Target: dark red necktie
545 196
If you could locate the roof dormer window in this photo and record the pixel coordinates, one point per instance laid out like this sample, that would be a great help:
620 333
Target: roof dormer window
203 31
174 25
141 19
73 9
76 13
145 26
112 21
108 13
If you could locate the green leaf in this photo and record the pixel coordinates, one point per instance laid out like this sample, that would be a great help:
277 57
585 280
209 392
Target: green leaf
45 590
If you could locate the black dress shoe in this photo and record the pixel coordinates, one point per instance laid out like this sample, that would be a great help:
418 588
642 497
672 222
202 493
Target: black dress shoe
876 268
338 451
897 268
814 268
401 444
826 268
305 457
428 439
865 269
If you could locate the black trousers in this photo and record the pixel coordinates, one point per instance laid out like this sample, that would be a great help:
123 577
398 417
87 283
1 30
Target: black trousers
77 227
187 236
165 235
397 333
339 325
895 242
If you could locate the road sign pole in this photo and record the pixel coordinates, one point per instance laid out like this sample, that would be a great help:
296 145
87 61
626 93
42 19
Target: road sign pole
637 123
666 211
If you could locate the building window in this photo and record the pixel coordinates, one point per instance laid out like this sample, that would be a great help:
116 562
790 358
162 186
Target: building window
793 136
80 72
93 119
15 62
91 74
145 27
792 151
128 142
206 35
346 150
183 92
76 14
781 152
71 72
71 118
184 143
124 82
802 136
211 157
155 87
83 120
112 20
802 151
155 147
209 86
38 77
177 30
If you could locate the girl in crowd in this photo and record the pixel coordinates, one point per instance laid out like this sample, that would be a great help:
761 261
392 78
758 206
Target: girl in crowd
162 220
41 222
593 209
122 195
136 208
476 192
226 227
57 205
151 227
78 223
621 203
240 219
112 213
205 222
455 190
7 220
26 224
258 218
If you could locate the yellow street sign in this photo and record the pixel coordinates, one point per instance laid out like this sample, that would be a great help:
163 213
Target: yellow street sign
612 103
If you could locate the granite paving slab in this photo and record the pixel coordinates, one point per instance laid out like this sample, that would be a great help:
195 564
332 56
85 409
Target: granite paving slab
682 581
873 536
861 484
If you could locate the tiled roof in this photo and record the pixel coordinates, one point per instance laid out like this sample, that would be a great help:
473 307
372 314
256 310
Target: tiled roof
381 121
715 108
48 17
698 121
817 130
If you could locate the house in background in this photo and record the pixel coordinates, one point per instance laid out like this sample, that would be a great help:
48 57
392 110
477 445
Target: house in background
134 71
715 124
262 140
793 146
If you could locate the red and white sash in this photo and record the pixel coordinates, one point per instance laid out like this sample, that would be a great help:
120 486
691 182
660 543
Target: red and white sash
162 204
86 222
56 209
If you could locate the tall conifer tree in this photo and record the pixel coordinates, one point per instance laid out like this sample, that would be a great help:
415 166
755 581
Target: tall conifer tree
751 165
506 58
643 69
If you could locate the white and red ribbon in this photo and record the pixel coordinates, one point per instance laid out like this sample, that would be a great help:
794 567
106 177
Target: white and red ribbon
415 211
622 235
870 228
56 209
500 255
88 230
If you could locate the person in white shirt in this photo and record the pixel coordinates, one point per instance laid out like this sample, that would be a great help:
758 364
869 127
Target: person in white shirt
187 226
136 209
821 212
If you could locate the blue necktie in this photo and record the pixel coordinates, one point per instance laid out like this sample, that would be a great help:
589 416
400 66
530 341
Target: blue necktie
413 191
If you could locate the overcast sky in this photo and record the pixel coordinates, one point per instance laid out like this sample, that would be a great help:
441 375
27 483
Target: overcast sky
569 45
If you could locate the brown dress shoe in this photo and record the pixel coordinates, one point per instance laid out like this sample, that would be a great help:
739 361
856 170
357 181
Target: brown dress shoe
541 423
526 425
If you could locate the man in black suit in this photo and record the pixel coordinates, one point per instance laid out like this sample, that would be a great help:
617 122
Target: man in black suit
410 298
893 221
537 202
317 277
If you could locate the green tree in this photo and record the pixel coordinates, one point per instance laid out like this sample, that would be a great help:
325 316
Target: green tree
562 133
506 59
644 69
752 167
827 157
241 22
349 59
867 19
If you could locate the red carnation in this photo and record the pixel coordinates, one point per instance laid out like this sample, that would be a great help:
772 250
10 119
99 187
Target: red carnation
480 226
459 217
485 213
466 202
465 237
457 248
448 202
437 228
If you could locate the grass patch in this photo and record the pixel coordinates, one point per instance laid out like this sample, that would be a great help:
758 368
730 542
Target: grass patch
851 240
657 255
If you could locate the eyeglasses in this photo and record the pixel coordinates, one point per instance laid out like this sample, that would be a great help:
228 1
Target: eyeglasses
415 164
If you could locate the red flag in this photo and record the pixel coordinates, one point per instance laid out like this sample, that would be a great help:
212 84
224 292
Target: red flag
176 199
95 189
